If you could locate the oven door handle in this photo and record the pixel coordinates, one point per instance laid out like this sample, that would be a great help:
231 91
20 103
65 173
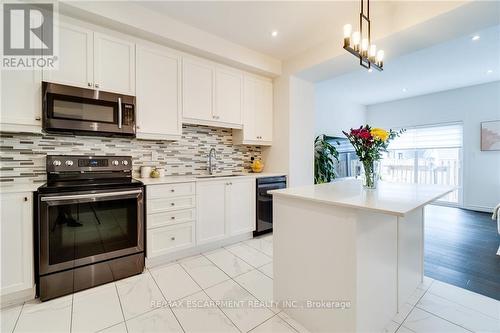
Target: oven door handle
119 112
87 196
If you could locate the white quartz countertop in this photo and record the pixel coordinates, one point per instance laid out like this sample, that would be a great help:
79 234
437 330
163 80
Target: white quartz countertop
389 198
193 178
19 187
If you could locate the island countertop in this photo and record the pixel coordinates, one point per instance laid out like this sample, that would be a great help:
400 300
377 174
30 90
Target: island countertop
389 198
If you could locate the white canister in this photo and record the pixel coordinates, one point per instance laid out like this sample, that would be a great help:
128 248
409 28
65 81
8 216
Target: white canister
145 171
161 171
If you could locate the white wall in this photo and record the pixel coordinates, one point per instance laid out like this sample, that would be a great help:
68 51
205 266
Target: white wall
471 105
293 134
301 169
334 113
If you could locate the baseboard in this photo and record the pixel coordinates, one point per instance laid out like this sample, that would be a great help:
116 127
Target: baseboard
479 209
167 258
18 297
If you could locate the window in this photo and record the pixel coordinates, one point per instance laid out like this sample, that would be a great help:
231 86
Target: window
427 155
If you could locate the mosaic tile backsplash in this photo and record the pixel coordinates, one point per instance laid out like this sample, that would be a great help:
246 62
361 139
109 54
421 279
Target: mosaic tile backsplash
22 156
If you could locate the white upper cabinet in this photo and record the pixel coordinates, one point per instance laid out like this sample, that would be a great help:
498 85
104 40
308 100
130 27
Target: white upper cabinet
257 112
197 91
228 96
114 64
212 94
21 101
158 95
210 205
240 206
75 60
94 60
16 223
264 111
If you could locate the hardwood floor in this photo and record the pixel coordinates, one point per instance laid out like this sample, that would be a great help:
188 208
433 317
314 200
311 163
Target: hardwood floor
460 249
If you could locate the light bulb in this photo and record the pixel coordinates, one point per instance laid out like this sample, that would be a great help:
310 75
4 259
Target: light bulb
380 56
347 30
364 44
373 52
356 37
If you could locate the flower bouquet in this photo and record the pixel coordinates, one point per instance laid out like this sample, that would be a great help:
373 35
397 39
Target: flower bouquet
369 143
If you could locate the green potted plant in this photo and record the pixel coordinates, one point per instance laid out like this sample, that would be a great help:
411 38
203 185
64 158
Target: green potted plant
325 157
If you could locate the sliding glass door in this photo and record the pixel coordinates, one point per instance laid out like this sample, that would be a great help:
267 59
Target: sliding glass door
427 155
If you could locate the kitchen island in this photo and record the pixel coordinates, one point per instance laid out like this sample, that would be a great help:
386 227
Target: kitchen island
345 258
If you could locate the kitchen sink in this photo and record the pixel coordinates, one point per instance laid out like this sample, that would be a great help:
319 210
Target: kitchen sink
218 176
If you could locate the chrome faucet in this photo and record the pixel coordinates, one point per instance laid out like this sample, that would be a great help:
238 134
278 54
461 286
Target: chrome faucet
211 165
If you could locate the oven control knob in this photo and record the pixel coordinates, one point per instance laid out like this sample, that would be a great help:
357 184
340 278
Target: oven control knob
69 163
125 162
115 163
56 163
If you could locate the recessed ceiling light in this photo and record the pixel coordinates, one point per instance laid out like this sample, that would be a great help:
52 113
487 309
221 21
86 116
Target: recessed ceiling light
370 70
404 90
489 71
476 37
274 33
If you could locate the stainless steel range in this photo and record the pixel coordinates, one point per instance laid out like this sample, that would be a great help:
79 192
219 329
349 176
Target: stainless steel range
90 224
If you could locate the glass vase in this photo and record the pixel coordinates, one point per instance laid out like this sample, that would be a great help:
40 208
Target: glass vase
371 174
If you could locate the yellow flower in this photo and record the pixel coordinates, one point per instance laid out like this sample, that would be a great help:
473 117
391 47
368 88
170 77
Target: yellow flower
379 134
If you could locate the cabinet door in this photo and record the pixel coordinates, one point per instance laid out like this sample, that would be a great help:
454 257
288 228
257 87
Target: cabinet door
16 219
21 101
114 64
197 89
240 206
249 108
264 111
228 96
210 205
75 64
158 94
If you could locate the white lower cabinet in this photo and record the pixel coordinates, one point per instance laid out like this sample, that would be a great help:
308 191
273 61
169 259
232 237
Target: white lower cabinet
164 240
225 208
183 216
170 218
16 225
240 206
210 203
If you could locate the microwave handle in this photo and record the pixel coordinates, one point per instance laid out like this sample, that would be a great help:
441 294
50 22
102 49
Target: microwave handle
119 112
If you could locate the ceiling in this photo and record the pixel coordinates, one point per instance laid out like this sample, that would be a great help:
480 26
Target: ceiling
453 64
300 24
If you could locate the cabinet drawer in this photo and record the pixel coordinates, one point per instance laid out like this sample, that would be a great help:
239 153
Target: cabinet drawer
170 190
169 218
169 238
169 204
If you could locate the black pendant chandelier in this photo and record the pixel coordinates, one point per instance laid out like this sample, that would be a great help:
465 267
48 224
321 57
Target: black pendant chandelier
359 43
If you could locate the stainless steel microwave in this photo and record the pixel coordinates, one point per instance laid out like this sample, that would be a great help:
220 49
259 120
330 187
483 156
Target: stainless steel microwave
87 111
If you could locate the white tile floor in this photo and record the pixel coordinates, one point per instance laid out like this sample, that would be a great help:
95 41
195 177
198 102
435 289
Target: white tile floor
239 273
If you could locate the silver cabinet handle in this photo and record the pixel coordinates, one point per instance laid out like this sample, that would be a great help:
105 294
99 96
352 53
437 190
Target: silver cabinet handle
90 195
38 118
172 238
172 204
119 112
172 190
97 85
172 217
89 84
138 127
